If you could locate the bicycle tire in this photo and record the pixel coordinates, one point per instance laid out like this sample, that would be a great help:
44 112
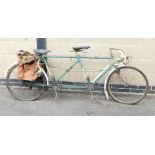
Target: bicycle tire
125 86
21 89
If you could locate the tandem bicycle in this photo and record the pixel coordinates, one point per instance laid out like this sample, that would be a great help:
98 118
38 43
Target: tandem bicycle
124 84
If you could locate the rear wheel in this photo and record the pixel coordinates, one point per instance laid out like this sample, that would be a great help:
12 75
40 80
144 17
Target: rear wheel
24 90
127 85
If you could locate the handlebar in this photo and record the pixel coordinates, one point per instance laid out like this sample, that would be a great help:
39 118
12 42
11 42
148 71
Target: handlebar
123 56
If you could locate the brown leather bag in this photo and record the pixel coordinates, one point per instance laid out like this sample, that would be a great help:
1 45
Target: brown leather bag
28 72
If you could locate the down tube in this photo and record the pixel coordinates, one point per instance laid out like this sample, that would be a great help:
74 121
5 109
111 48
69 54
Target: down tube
103 73
68 69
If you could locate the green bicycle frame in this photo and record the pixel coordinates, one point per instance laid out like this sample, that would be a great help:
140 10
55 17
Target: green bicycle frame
79 61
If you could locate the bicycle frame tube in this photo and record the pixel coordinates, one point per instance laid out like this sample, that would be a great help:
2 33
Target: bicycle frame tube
68 69
78 60
75 57
103 73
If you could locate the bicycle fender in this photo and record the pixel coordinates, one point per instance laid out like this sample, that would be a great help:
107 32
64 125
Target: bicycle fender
105 83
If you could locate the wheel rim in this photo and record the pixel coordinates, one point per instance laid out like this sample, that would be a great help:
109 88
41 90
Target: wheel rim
127 85
23 90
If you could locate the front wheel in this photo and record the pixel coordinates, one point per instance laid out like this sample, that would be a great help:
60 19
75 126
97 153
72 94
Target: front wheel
127 85
22 89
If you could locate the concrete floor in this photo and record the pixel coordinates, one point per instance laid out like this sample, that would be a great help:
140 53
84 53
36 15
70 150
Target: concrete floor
72 105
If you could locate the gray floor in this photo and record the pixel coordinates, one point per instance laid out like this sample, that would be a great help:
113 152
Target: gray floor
72 105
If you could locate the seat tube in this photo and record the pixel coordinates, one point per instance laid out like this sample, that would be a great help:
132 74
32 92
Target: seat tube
82 66
85 74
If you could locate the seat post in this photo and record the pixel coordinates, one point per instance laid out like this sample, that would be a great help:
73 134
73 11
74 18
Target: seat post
77 54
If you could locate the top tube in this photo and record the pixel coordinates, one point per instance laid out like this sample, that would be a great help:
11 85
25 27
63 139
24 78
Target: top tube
76 57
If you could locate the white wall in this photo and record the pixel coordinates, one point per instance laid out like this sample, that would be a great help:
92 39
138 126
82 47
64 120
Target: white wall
142 51
9 48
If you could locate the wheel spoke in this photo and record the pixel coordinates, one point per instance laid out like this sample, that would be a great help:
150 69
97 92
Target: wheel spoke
124 87
23 90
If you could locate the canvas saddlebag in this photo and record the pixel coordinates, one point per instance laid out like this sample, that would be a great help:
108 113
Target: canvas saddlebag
26 57
28 66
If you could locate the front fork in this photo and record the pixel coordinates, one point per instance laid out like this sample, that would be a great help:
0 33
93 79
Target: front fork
106 80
